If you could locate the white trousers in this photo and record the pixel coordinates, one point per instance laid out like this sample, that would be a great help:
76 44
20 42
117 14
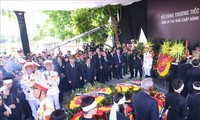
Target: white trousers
34 105
55 100
147 70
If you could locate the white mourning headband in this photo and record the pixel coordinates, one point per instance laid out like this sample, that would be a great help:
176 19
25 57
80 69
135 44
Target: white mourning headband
196 87
180 89
8 81
89 107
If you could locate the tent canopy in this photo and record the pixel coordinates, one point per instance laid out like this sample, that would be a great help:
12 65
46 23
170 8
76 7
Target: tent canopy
23 5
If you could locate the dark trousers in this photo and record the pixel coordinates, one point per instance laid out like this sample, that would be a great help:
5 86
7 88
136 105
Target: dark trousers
105 76
114 71
140 71
62 87
100 75
110 73
119 71
125 68
131 71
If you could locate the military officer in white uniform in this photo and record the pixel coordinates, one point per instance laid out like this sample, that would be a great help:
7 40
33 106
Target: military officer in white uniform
27 82
147 62
52 80
46 108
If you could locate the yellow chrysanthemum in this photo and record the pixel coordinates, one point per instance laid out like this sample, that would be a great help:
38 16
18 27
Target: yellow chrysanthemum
108 90
99 99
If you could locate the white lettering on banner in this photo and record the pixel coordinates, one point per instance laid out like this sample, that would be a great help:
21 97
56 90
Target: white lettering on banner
189 15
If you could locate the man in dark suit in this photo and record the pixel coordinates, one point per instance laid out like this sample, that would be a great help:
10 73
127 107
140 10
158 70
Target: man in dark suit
88 72
112 73
194 102
125 61
92 57
99 66
60 67
175 103
138 63
183 66
79 63
144 106
73 74
131 62
193 75
106 65
118 60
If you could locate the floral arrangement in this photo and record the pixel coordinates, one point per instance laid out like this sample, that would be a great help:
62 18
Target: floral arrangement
163 64
159 97
165 47
128 86
100 92
177 50
164 59
170 51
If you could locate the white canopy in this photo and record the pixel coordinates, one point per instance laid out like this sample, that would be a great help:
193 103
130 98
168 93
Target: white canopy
22 5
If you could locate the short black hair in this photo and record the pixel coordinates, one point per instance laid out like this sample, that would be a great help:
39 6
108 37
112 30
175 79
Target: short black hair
88 100
58 115
184 60
118 97
195 62
177 83
8 77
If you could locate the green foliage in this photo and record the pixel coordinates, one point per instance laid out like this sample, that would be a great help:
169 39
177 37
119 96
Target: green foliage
9 14
66 24
57 25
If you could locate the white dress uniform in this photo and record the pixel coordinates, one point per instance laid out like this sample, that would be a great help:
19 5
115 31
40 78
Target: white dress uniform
147 63
45 110
52 80
26 83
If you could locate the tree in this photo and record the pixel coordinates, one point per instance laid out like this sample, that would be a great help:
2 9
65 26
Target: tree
65 24
57 25
8 18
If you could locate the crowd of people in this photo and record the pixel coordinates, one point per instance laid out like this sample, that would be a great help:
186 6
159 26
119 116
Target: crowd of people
34 85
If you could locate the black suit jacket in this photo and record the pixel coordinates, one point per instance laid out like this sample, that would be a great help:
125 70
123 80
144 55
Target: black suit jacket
178 106
116 59
89 73
60 69
99 62
138 61
73 75
131 60
194 107
111 59
182 70
192 75
146 107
